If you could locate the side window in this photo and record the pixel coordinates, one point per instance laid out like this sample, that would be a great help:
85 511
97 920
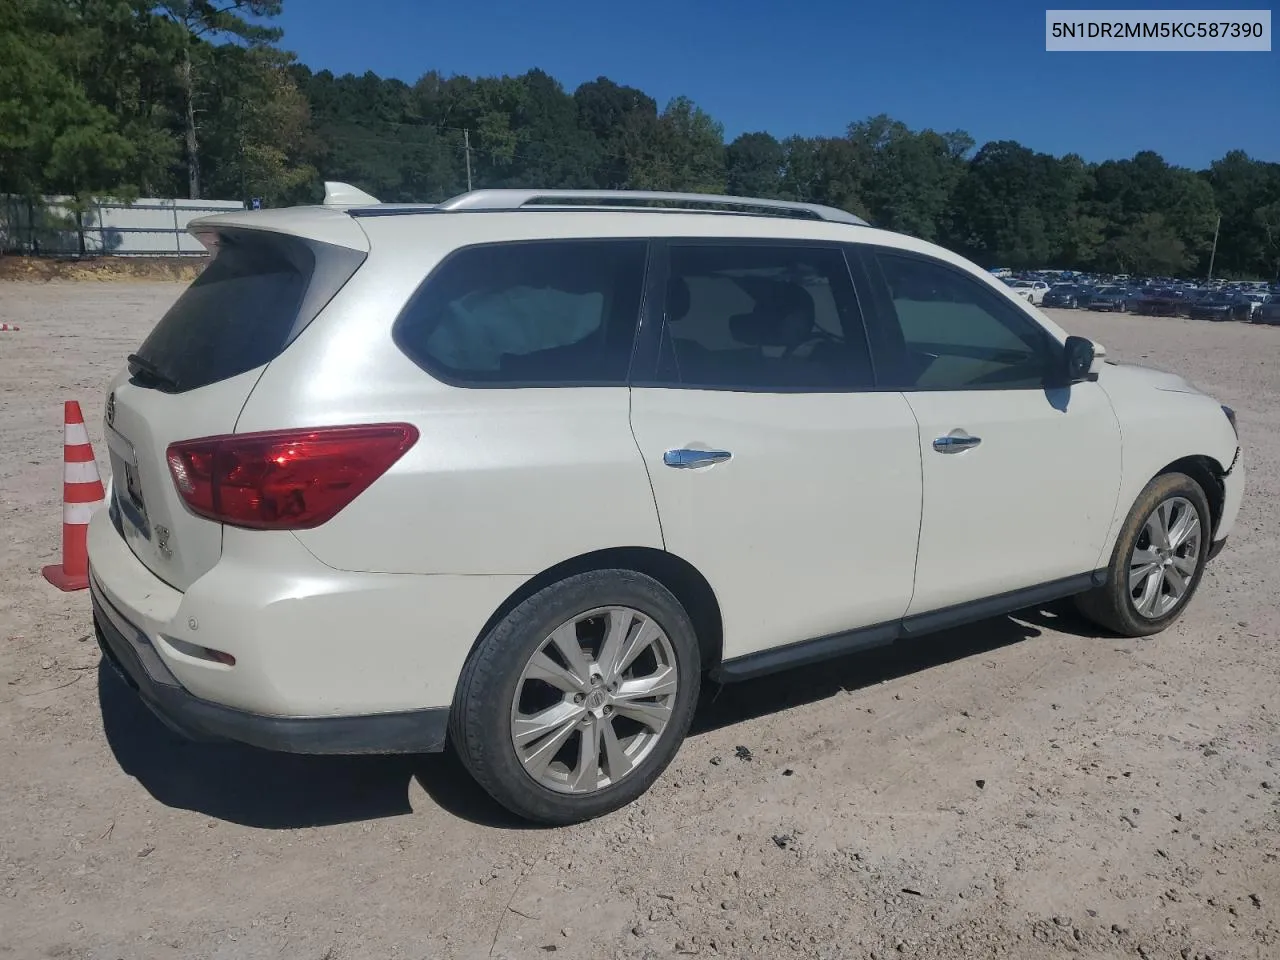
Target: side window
757 317
952 333
555 311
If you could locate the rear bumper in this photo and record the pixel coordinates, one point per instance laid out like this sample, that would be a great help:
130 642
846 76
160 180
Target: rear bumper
138 664
307 652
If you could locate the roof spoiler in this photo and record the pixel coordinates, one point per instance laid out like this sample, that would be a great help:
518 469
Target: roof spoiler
338 194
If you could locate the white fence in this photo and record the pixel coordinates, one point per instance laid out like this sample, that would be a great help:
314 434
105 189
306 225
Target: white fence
149 226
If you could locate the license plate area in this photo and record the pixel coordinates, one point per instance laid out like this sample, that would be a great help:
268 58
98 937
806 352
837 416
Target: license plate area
128 495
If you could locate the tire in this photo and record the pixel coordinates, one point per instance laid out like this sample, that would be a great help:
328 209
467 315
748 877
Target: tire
1114 605
497 698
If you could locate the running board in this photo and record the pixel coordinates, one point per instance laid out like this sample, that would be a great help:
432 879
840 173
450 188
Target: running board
864 638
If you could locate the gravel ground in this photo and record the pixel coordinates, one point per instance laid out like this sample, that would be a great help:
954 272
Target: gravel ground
1022 788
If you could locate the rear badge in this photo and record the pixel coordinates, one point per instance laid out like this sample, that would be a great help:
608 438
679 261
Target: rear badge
162 540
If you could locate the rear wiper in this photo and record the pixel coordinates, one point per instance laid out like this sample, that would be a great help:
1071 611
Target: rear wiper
139 365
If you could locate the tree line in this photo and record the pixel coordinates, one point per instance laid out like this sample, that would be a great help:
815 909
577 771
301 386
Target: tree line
196 98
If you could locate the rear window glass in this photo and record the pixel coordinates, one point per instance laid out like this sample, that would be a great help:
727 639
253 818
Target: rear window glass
237 315
553 312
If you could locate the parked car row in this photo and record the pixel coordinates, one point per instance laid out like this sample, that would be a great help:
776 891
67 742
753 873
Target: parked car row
1244 302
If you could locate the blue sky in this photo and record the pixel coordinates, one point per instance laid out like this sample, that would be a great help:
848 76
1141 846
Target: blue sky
811 68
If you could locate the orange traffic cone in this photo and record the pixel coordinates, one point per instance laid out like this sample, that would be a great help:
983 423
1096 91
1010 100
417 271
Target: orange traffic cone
81 493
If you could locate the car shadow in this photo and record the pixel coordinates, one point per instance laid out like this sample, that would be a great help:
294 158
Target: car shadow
258 788
723 706
242 784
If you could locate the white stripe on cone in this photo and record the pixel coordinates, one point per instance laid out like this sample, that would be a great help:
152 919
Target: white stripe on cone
75 435
78 514
86 472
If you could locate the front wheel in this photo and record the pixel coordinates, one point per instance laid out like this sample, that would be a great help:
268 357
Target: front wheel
575 702
1158 559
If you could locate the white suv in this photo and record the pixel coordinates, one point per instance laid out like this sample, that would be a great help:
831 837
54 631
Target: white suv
517 470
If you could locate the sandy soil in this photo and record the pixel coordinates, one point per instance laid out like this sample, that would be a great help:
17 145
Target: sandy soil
134 269
1022 788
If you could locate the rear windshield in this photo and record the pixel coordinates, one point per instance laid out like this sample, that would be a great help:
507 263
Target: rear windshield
239 314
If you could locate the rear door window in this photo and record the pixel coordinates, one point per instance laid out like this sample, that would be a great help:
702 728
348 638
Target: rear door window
759 317
242 311
551 312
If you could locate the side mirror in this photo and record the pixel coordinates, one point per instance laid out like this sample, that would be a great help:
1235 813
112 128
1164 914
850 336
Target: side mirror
1077 356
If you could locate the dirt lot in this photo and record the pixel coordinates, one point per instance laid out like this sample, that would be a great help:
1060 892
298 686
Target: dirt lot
1022 788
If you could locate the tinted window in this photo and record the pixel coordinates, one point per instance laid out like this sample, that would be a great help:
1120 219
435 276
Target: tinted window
957 334
541 312
756 317
238 314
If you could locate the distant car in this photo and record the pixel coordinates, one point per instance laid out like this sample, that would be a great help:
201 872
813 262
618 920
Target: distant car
1220 306
1110 299
1268 312
1160 302
1255 299
1033 291
1063 295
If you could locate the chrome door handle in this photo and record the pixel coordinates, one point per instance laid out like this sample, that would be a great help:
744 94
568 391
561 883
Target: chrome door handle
954 444
687 459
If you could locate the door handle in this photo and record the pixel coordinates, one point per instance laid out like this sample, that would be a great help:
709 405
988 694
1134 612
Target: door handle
955 444
688 459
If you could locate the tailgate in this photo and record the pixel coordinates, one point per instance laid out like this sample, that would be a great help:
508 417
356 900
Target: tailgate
173 542
193 374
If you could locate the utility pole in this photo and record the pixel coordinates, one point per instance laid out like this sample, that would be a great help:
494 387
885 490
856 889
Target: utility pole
1214 254
466 142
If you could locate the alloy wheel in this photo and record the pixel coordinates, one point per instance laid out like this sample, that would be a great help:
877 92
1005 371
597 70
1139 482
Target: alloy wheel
1165 557
593 700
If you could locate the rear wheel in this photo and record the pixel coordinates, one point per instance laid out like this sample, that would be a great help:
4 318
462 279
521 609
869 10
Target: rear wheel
575 702
1158 559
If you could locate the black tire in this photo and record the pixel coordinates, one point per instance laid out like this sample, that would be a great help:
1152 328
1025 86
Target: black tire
480 720
1112 605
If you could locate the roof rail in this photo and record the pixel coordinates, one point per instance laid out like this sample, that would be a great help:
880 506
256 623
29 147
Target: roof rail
608 199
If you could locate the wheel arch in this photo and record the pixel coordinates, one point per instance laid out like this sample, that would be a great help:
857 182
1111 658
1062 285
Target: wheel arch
679 576
1207 473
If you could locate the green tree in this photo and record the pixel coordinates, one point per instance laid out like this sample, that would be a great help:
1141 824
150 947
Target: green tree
754 165
606 111
1149 245
910 176
256 142
205 22
1242 186
681 149
1268 218
53 139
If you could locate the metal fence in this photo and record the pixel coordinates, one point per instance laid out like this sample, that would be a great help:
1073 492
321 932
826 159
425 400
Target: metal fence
147 227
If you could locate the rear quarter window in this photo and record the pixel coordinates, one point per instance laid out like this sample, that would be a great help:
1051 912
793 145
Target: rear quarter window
540 312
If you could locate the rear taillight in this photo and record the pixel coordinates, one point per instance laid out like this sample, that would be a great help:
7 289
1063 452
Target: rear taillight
285 479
